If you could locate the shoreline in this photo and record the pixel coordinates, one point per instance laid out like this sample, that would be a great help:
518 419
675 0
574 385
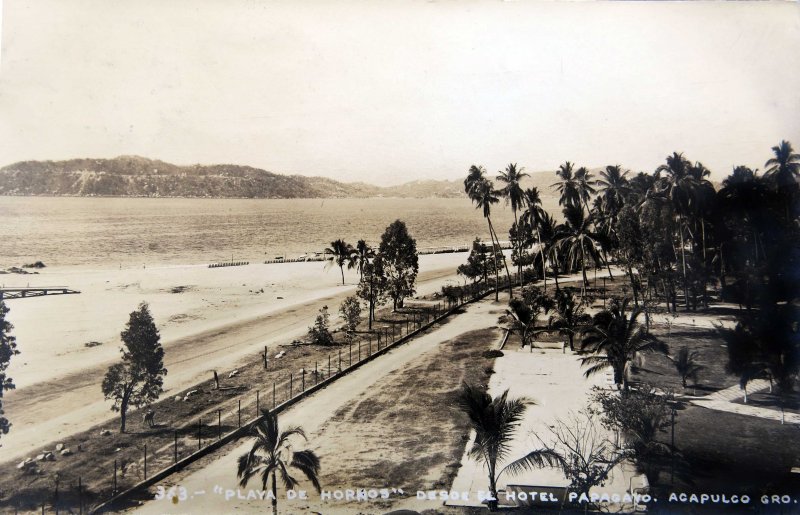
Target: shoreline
219 320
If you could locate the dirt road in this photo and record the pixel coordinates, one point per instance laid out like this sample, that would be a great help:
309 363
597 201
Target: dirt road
68 403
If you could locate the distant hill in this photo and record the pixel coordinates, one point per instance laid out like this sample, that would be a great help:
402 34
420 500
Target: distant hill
134 176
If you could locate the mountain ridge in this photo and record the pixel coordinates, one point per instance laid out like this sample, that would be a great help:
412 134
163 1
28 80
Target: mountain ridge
136 176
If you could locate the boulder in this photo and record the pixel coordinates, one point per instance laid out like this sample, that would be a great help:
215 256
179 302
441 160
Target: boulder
233 374
105 432
40 457
49 456
23 464
177 398
60 447
66 452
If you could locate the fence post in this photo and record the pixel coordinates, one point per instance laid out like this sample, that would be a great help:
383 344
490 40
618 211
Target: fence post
406 325
240 412
359 349
340 361
113 490
80 495
265 357
316 373
258 402
199 436
290 386
176 446
329 365
145 462
303 386
273 395
219 424
369 349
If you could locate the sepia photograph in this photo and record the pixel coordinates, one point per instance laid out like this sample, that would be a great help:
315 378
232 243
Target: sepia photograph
432 257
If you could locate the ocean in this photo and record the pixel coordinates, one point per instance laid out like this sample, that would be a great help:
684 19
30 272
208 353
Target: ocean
112 232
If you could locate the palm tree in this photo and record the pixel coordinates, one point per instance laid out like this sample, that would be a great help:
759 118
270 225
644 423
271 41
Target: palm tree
512 192
785 166
584 183
533 217
482 193
579 239
567 187
616 338
272 456
570 318
676 183
494 421
521 319
363 253
686 365
614 187
340 253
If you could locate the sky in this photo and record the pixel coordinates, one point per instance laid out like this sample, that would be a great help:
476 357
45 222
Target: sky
388 92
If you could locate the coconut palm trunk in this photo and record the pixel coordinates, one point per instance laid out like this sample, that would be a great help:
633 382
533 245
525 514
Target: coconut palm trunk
503 256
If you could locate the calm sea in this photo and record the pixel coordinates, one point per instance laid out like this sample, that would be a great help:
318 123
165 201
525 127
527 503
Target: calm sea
100 232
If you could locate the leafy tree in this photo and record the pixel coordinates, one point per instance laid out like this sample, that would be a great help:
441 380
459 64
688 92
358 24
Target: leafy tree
494 421
350 312
139 379
372 288
398 253
640 416
686 365
320 333
272 455
570 318
616 338
479 264
8 348
341 254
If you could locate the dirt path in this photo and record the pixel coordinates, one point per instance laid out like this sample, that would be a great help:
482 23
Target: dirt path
69 403
220 475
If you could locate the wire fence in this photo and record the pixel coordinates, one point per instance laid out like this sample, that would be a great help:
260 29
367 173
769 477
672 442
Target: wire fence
168 448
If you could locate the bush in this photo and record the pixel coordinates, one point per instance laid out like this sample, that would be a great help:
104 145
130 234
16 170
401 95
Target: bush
319 333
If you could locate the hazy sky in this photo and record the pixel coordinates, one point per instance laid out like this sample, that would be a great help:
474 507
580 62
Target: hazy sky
387 92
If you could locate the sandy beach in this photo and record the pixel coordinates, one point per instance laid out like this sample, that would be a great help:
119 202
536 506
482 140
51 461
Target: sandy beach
208 318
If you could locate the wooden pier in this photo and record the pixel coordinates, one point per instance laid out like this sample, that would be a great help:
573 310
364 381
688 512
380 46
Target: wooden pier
31 291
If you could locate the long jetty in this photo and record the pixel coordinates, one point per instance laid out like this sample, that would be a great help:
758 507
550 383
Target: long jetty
30 291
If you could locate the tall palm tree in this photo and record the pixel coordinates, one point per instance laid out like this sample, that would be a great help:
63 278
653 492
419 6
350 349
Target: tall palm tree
512 192
676 183
362 255
580 241
482 193
686 365
585 183
616 338
494 421
532 216
567 187
272 455
614 187
340 253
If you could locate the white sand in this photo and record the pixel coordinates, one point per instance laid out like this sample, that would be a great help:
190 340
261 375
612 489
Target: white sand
219 319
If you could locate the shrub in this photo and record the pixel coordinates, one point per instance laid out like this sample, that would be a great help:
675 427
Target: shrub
489 354
320 333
